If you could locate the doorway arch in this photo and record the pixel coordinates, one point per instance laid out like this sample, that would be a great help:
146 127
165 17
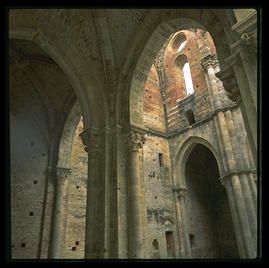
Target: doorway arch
90 98
210 225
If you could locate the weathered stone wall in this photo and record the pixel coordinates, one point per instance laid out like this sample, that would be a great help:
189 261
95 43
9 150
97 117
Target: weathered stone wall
177 101
28 181
210 225
158 196
40 99
77 197
83 50
242 14
153 104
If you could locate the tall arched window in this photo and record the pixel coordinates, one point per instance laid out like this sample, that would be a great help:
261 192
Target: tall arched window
187 78
184 68
179 42
181 46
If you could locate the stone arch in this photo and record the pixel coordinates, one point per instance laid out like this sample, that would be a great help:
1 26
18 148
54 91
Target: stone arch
184 151
67 137
178 40
142 68
90 99
181 60
82 87
210 224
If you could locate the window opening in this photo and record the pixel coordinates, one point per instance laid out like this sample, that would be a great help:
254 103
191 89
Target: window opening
187 78
190 117
192 240
181 46
170 244
155 244
161 159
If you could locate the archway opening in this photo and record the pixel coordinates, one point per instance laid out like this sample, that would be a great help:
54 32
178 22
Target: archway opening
41 98
210 227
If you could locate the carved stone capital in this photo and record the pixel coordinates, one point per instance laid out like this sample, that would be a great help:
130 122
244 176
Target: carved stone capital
92 140
62 174
180 192
134 140
230 85
209 61
229 176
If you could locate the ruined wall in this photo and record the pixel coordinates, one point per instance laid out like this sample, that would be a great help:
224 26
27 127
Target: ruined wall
152 103
158 197
76 200
210 225
28 170
177 100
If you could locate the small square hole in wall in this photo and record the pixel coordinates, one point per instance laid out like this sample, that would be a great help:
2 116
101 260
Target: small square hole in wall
31 213
77 243
35 181
192 240
23 245
73 248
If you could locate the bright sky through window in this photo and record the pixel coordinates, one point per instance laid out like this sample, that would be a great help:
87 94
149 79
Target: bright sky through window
181 46
187 78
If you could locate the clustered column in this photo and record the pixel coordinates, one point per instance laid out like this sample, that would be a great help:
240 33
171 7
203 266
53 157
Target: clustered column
244 225
135 141
208 63
93 140
59 212
180 193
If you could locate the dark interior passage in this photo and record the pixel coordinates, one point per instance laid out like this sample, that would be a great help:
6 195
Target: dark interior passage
211 229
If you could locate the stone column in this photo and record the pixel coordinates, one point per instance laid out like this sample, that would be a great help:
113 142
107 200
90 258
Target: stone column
242 67
122 197
59 212
184 240
237 195
234 186
246 240
246 47
244 172
93 141
135 141
209 63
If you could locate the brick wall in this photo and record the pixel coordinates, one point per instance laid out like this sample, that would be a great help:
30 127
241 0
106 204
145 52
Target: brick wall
152 103
29 160
175 88
77 197
160 214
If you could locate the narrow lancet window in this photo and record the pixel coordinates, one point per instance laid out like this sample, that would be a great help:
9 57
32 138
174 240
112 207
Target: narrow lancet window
187 78
181 46
190 117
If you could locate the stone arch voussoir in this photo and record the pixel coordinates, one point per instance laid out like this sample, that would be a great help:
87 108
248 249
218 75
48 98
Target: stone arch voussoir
185 149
